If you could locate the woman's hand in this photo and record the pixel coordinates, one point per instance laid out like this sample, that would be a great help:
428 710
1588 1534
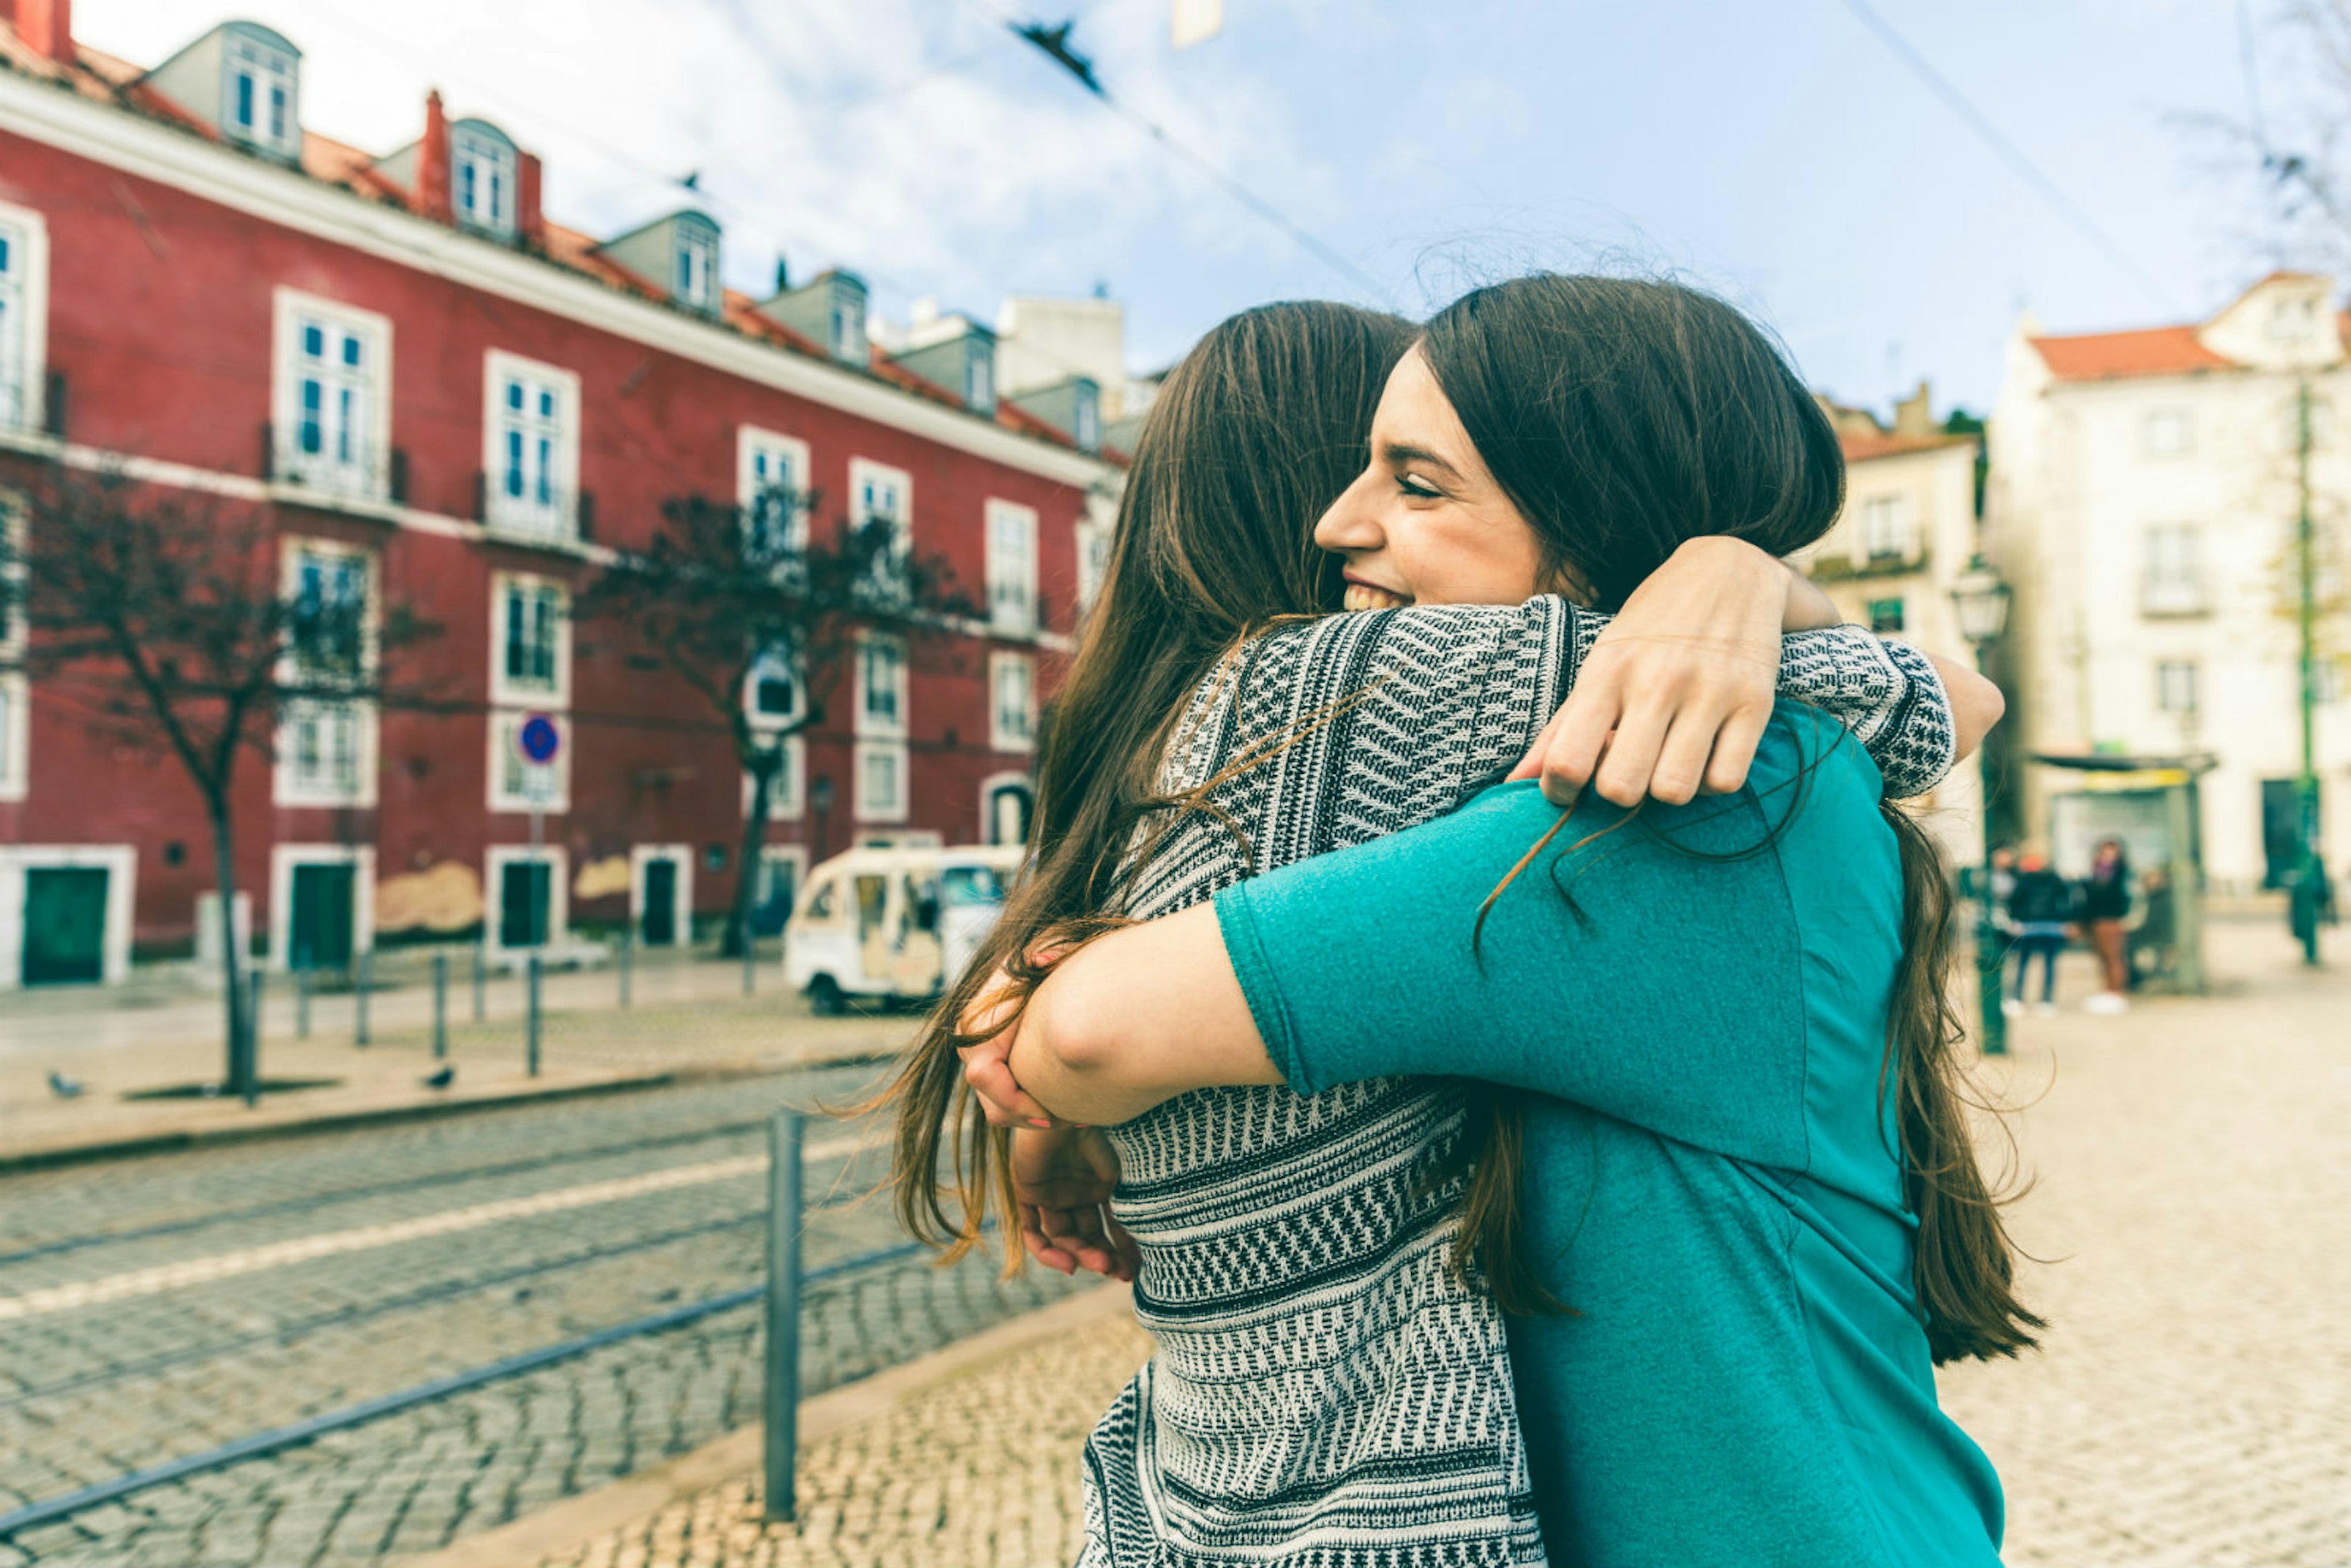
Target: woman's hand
1676 693
987 1067
1061 1184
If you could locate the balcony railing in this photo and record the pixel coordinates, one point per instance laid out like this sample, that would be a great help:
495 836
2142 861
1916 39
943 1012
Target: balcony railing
348 467
542 511
2172 593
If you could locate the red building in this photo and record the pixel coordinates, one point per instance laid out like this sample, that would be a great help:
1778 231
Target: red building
443 398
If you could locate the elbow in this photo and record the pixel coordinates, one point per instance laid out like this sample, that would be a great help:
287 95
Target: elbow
1985 707
1074 1034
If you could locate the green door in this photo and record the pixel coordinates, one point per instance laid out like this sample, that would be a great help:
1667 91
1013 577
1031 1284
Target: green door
660 922
320 936
65 924
522 903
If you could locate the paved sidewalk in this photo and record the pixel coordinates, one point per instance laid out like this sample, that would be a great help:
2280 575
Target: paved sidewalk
687 1019
2192 1405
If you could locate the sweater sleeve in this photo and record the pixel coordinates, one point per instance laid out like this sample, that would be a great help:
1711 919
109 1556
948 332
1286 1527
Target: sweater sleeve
1672 931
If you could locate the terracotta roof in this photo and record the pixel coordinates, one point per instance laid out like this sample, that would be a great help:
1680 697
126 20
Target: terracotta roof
2151 351
1860 446
110 79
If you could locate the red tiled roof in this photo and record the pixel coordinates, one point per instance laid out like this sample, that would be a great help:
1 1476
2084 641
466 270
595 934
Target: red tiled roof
2151 351
108 78
1861 445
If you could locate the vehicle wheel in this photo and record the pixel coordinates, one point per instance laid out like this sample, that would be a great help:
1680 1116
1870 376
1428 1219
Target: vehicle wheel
824 997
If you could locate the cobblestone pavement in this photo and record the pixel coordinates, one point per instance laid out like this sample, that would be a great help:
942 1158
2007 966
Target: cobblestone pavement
2192 1405
978 1472
152 1309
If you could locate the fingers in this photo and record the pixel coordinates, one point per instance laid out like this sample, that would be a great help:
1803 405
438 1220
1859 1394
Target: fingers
1623 775
1734 748
1682 759
1579 735
1531 765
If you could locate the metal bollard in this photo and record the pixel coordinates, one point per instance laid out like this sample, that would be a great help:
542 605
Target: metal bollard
481 966
628 956
530 1027
360 998
303 984
780 1394
251 1074
440 1005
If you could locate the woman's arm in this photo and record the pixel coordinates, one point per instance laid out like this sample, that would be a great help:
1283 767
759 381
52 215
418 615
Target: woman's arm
1687 1015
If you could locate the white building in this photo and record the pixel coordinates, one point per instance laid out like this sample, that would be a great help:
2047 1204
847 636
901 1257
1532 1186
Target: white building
2142 503
1907 529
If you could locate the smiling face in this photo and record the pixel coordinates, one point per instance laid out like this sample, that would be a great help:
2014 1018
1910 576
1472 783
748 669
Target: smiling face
1426 523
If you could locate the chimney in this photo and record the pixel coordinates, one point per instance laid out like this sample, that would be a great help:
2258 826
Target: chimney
46 28
1915 414
783 267
529 223
433 162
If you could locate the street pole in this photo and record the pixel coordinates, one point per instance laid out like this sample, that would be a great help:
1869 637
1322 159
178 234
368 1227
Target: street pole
2312 875
781 1388
439 1004
530 1008
1990 956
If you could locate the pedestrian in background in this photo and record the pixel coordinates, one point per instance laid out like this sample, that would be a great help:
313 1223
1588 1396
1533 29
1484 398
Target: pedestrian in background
2040 908
2106 905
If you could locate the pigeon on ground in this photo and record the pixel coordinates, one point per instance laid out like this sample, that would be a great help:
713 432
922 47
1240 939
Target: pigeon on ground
443 1079
64 1088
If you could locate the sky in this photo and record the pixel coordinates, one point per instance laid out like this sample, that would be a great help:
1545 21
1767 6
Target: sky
1779 153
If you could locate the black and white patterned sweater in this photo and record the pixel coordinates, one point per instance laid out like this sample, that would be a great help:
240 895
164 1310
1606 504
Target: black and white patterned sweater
1325 1393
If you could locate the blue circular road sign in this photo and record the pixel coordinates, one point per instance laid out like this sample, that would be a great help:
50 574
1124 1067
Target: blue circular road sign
539 738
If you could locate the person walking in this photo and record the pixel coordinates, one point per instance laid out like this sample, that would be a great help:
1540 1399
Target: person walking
2106 905
2040 908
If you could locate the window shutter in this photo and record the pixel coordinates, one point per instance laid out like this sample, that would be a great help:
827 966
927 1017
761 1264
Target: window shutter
54 422
587 516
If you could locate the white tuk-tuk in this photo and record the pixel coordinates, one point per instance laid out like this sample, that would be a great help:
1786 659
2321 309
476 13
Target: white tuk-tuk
893 924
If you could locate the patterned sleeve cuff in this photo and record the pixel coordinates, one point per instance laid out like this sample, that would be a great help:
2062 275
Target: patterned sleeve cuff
1887 692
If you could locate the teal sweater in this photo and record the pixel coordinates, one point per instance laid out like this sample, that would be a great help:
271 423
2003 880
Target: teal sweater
1710 1179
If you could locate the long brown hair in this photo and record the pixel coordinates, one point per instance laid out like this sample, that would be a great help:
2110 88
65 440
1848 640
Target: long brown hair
1623 417
1252 438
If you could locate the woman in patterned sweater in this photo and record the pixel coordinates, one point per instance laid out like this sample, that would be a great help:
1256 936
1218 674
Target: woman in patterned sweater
1331 1384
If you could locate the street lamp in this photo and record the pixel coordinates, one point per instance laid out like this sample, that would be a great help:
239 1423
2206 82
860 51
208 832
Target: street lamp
1981 600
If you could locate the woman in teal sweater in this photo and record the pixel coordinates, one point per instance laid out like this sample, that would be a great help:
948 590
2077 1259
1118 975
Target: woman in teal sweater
1747 1184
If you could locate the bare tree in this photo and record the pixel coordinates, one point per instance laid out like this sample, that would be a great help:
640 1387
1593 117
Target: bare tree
760 613
2295 137
172 618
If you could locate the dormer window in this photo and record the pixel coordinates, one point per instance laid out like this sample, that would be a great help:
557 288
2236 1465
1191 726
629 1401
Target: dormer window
257 95
848 334
979 377
481 190
1085 426
697 282
2292 320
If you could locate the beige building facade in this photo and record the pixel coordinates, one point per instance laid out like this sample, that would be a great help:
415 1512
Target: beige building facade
2142 503
1908 531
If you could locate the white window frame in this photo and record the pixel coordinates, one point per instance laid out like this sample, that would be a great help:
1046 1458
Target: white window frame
495 858
682 857
362 428
988 788
760 456
980 376
283 859
760 718
1085 419
23 319
1011 536
506 690
16 685
845 321
868 481
120 862
550 504
1008 730
2170 685
868 725
512 775
865 753
693 276
492 163
242 56
290 786
787 797
1887 530
2166 433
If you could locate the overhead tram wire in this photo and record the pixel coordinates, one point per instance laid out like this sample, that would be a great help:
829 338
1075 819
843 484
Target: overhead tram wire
2008 152
1054 43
